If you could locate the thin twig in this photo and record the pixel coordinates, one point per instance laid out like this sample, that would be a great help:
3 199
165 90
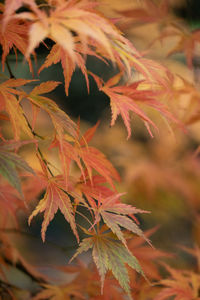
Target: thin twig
9 70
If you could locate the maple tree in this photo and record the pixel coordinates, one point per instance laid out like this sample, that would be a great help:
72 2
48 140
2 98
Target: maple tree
82 181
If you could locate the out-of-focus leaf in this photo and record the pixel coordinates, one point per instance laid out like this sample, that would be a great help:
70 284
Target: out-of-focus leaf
60 292
183 285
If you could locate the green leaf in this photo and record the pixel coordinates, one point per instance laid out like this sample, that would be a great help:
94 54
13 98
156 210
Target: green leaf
110 254
114 221
8 163
84 246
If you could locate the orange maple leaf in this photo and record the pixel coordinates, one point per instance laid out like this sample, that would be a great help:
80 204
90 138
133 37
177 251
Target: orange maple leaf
10 203
65 18
188 41
58 54
15 35
60 292
95 36
94 189
182 285
148 12
11 105
60 119
116 215
56 197
124 99
86 157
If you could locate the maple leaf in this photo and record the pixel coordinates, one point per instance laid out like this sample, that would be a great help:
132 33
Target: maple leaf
127 57
110 254
55 198
93 159
59 292
187 114
93 189
182 285
188 41
12 5
94 35
116 215
187 45
10 202
58 54
87 158
15 35
130 97
87 279
9 162
124 99
195 252
65 18
149 12
11 105
88 135
33 187
60 119
111 289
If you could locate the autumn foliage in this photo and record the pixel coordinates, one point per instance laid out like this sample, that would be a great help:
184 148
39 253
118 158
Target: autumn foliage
113 258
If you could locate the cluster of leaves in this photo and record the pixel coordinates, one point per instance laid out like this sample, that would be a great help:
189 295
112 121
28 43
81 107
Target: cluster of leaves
86 178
